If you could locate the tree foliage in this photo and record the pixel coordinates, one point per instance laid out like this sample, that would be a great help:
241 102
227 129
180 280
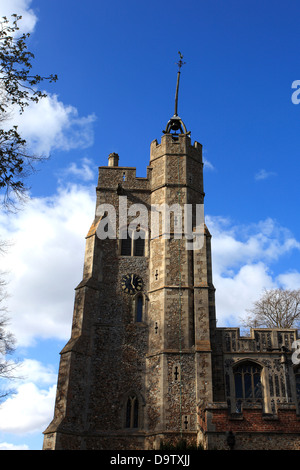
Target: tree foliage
18 88
277 308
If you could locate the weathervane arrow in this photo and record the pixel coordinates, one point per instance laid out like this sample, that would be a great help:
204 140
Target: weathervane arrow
180 63
175 123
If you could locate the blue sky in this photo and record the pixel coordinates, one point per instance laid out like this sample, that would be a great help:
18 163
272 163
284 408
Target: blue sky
117 75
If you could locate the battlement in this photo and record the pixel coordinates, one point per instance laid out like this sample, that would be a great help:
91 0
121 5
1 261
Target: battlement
110 177
175 145
260 340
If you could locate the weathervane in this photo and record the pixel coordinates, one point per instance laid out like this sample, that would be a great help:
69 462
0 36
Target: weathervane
175 123
180 63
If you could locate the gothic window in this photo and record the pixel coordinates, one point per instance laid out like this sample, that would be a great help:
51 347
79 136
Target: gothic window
247 380
139 308
132 246
297 379
132 412
139 247
126 245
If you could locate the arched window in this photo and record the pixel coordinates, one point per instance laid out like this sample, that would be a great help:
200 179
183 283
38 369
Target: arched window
131 245
126 243
139 247
132 412
247 380
297 380
139 308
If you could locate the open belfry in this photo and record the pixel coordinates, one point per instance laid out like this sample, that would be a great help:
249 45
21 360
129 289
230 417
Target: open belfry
146 365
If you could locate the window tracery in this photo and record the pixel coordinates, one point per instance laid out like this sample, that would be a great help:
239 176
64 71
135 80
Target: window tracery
247 381
131 245
132 412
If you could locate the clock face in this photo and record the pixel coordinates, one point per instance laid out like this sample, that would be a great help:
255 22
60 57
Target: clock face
131 284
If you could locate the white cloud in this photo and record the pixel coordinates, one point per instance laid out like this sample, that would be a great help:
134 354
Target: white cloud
290 280
235 245
21 8
236 294
45 261
263 174
7 446
208 165
51 125
28 410
83 173
241 257
31 370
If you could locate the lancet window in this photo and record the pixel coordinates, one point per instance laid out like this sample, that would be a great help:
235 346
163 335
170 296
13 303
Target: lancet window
131 245
132 412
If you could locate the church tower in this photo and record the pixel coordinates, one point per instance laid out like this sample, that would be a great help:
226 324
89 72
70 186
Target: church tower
139 359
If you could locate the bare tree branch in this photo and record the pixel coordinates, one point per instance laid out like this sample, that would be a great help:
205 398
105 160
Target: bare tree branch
277 308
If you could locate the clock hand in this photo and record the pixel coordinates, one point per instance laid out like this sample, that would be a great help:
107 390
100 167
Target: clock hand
132 281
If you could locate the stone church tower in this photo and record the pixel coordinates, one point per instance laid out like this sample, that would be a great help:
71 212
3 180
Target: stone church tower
145 363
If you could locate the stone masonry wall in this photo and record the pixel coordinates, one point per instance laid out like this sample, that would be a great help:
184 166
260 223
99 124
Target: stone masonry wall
252 429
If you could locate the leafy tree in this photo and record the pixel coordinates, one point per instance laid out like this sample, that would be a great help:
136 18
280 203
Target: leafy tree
277 308
18 87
